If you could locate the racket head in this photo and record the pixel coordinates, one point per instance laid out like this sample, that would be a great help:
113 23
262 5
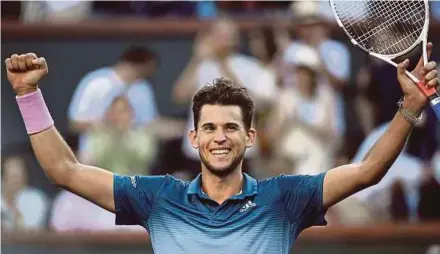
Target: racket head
385 29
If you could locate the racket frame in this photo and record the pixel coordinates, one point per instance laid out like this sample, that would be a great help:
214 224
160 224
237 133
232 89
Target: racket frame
388 58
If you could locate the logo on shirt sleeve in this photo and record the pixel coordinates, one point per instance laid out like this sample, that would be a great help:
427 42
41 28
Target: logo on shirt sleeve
247 206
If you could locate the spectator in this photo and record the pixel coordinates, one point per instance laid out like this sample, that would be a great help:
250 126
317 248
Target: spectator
118 146
303 122
23 207
216 55
312 29
267 44
264 47
71 213
55 11
429 205
399 209
97 90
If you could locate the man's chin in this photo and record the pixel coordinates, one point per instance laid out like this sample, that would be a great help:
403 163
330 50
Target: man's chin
220 171
221 168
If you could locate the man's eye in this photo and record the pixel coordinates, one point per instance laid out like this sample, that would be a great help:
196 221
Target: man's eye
208 128
232 128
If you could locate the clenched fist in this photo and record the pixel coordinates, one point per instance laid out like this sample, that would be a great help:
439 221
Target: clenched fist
25 71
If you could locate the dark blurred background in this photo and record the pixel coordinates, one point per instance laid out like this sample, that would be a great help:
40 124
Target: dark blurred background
121 77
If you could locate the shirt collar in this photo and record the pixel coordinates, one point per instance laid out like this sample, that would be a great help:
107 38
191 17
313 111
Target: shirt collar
249 188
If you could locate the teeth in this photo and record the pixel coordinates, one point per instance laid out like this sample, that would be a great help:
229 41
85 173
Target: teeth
222 151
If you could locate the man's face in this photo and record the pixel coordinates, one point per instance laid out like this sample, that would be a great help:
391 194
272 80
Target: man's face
304 80
146 70
224 35
221 138
121 114
14 178
256 45
312 32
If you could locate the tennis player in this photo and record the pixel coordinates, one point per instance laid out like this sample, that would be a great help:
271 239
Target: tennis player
222 210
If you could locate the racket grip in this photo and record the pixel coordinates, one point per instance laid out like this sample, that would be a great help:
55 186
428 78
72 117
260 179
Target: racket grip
429 92
433 97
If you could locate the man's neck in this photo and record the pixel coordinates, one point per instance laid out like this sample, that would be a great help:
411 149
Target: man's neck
220 189
124 73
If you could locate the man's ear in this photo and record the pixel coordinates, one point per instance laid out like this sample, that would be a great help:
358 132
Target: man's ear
250 137
193 139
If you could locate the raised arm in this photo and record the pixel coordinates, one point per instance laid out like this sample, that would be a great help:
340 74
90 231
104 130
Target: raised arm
54 155
186 84
346 180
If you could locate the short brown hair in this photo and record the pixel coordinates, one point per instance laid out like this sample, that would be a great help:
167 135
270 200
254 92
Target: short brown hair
138 55
224 92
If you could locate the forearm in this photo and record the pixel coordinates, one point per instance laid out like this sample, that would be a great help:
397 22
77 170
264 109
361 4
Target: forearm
322 129
166 128
52 152
80 126
186 84
383 154
346 180
54 155
228 73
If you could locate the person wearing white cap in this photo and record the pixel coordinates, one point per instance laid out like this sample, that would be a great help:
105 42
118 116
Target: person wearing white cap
311 19
304 119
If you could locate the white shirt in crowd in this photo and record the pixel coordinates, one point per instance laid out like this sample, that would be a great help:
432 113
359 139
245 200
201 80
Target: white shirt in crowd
33 206
336 59
97 90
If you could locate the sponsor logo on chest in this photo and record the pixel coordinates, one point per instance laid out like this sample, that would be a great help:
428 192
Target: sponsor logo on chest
249 204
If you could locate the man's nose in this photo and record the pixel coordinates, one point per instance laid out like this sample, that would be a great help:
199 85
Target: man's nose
220 136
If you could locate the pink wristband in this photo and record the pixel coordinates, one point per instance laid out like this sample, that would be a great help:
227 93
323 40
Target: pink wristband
34 111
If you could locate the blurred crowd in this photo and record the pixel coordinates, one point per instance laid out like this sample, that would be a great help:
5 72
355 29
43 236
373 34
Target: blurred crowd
313 112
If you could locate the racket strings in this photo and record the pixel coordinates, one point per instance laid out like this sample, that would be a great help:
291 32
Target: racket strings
384 27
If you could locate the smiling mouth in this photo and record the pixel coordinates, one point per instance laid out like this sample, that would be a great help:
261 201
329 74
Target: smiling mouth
220 152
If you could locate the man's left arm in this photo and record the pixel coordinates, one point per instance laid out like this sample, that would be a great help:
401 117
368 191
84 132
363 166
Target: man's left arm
346 180
343 181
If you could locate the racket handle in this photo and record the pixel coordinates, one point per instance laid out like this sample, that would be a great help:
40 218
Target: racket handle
427 91
433 97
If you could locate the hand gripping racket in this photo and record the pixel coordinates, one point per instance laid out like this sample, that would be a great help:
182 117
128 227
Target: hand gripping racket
388 29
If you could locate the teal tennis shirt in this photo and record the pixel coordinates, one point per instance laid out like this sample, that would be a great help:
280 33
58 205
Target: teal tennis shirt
266 217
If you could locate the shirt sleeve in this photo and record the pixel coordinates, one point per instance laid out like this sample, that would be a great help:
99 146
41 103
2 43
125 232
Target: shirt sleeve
336 58
91 99
143 101
134 197
303 199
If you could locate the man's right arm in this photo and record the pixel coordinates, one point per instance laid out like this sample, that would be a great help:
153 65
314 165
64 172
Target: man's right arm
24 72
63 169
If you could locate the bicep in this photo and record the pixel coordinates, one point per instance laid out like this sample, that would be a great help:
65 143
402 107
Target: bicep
341 182
94 184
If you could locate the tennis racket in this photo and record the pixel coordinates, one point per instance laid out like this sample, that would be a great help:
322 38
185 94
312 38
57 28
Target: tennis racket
388 29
